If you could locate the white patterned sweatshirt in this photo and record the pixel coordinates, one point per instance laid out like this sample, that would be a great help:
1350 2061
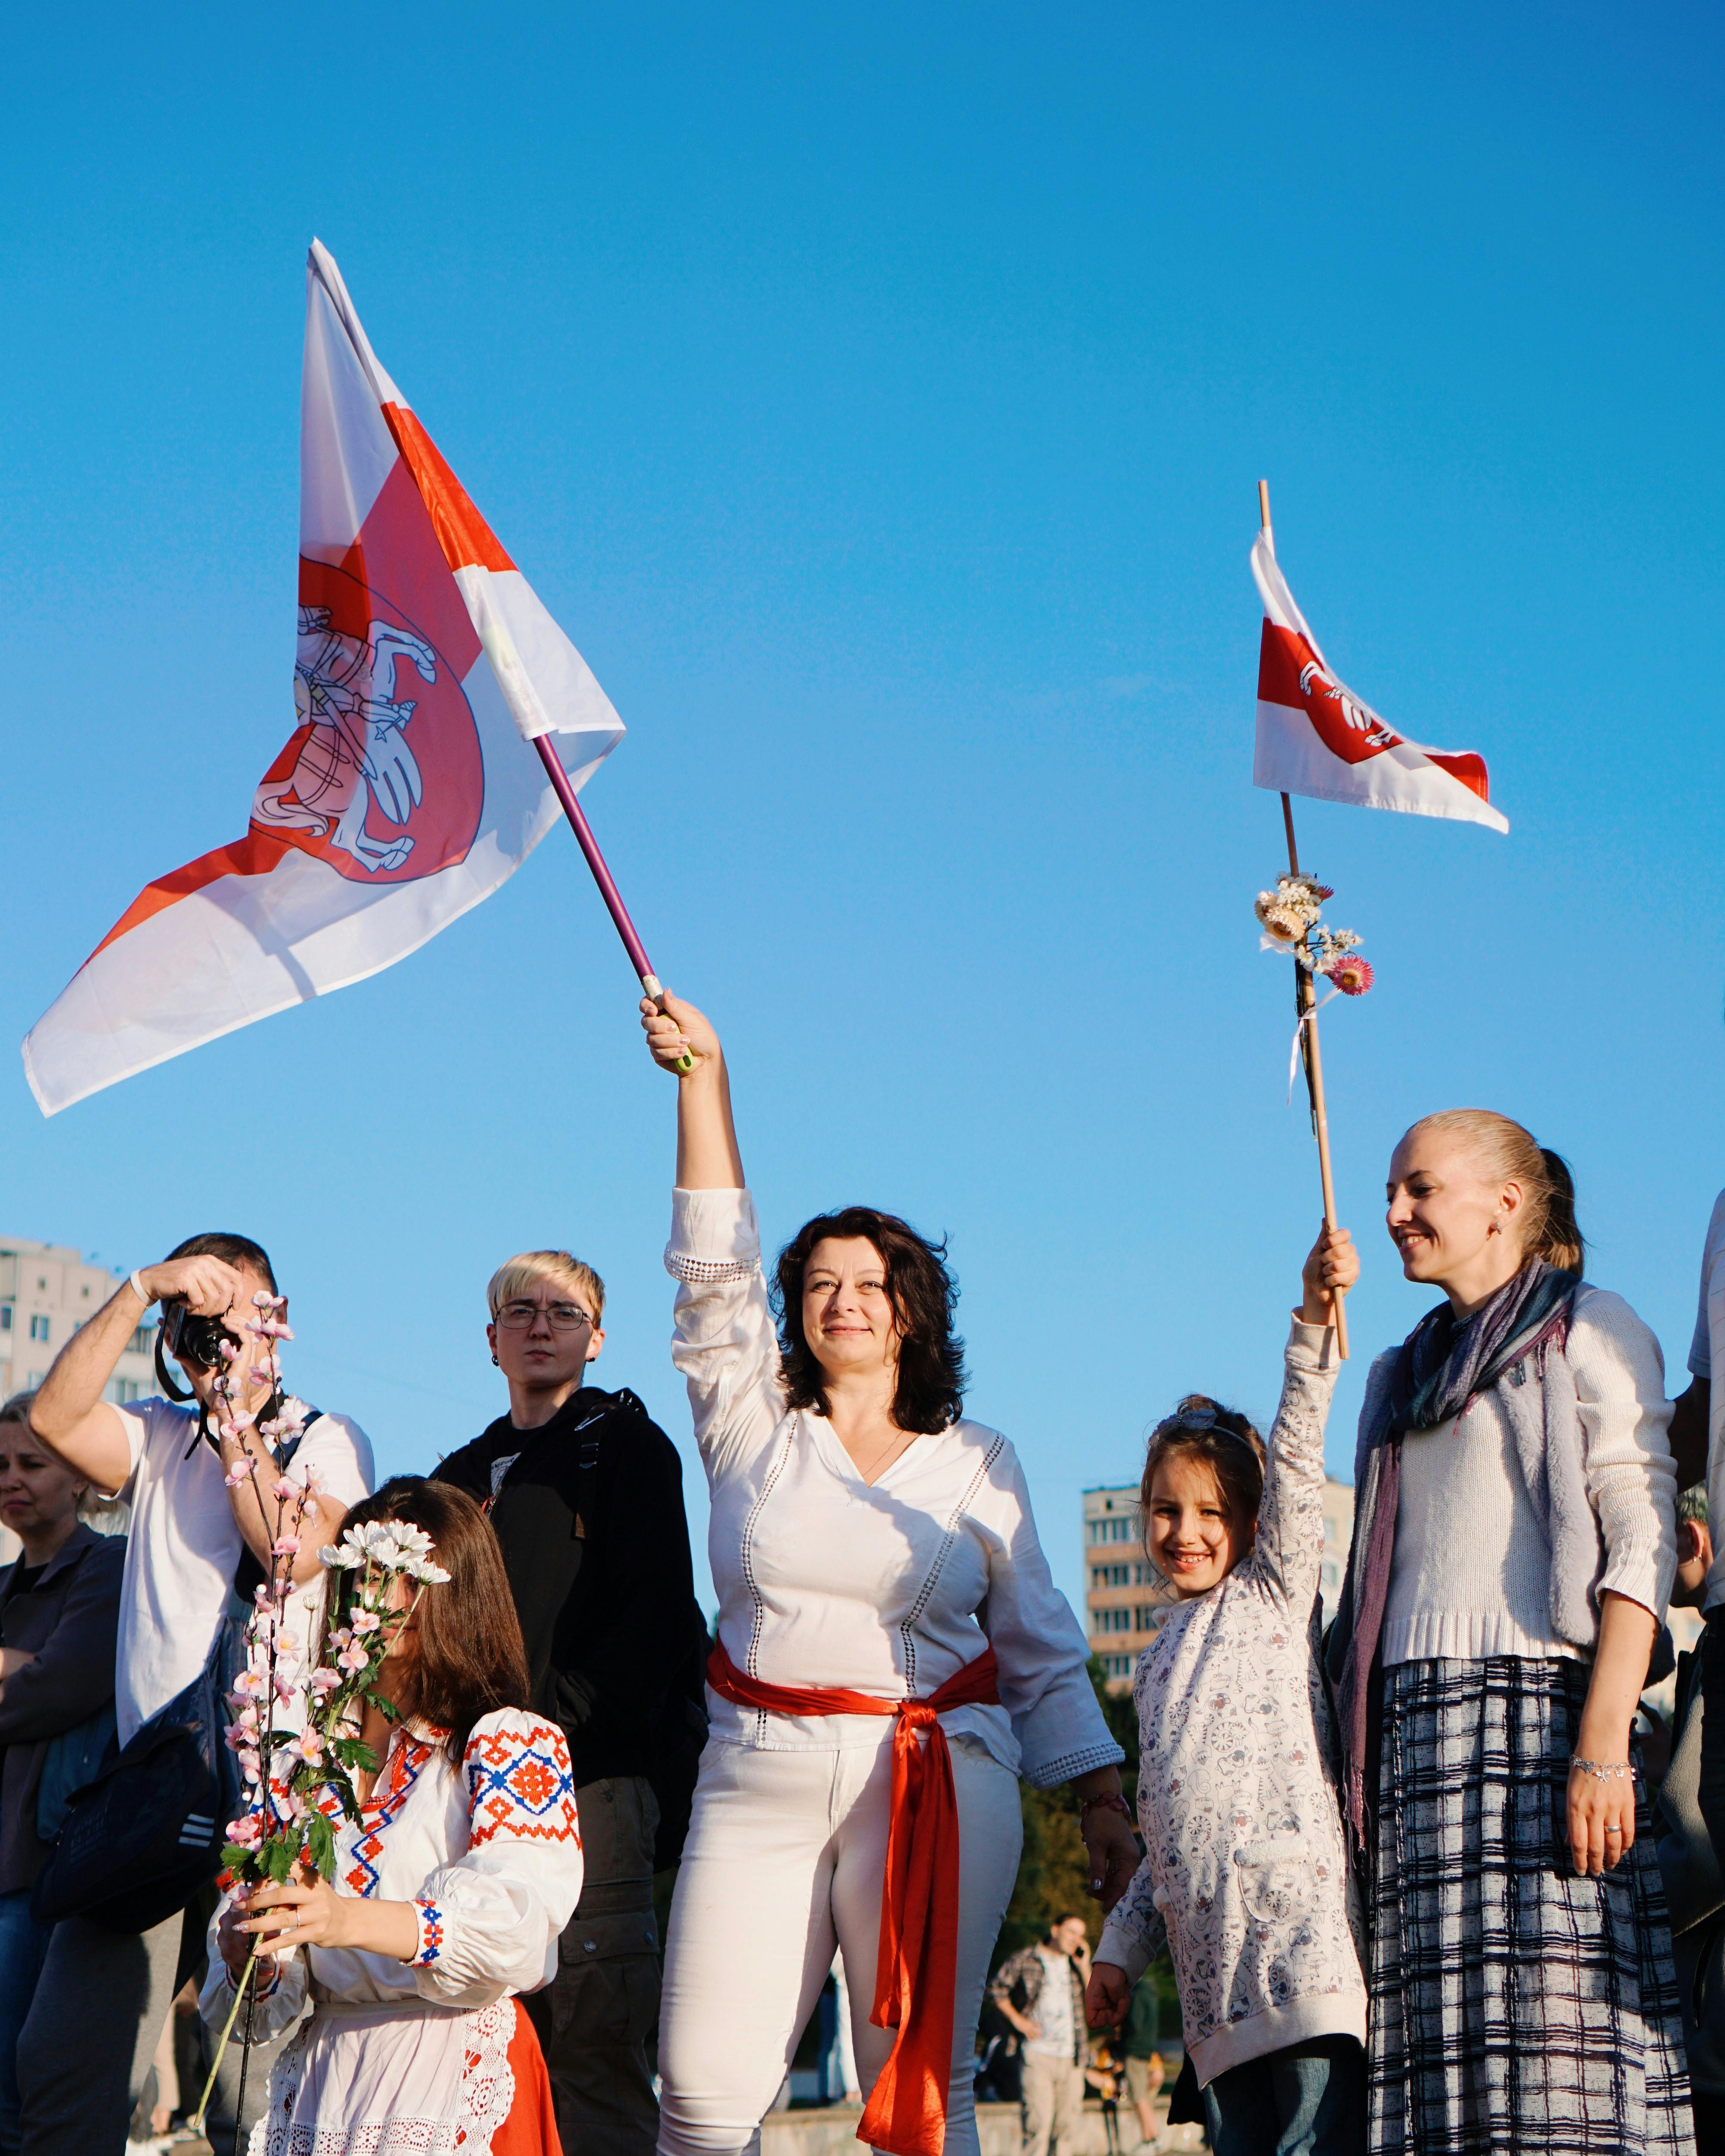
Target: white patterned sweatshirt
1246 1877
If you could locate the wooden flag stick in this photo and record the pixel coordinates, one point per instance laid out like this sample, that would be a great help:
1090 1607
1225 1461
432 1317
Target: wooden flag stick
1305 1005
603 877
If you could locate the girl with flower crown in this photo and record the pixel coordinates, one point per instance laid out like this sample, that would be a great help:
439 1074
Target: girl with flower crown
1246 1877
450 1889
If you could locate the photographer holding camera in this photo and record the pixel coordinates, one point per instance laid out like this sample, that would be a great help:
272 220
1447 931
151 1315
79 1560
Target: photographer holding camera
199 1541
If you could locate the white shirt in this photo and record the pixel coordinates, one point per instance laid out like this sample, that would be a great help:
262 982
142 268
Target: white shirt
1708 1348
1472 1569
889 1588
1054 2011
488 1853
184 1544
414 2055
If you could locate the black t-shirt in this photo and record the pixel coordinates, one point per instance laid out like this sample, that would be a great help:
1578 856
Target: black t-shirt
598 1564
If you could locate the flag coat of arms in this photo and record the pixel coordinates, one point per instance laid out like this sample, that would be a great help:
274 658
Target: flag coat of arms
1317 737
407 791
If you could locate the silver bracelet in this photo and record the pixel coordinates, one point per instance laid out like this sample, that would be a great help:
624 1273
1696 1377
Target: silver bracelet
1604 1770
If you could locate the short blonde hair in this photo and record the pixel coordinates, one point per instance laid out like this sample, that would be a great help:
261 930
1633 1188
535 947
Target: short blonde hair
518 1274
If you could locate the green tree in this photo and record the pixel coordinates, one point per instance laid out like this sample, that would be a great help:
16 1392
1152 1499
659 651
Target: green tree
1054 1872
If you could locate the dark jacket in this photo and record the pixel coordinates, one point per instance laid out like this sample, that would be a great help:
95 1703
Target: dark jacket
598 1564
69 1620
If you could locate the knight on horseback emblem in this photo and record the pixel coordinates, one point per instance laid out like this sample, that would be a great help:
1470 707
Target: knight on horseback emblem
356 755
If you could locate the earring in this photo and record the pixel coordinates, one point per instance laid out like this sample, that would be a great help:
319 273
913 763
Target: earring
1495 1228
496 1364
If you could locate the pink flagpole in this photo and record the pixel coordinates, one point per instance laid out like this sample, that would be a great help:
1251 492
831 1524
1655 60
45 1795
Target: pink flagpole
601 876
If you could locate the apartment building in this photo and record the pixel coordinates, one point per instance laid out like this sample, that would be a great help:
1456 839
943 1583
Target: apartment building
1124 1595
46 1291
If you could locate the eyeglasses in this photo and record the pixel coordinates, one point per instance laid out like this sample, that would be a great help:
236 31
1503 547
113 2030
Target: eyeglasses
564 1316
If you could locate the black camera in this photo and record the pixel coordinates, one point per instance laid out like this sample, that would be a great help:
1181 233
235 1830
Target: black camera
192 1340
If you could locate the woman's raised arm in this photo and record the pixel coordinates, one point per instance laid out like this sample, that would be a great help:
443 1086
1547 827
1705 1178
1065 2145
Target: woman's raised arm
708 1154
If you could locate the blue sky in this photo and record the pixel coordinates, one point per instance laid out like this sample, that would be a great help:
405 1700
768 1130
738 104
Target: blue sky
877 395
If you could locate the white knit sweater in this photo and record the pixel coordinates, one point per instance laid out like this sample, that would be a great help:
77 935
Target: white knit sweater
1472 1571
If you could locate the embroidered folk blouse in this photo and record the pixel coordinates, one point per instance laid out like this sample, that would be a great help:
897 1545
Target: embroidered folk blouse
887 1588
488 1853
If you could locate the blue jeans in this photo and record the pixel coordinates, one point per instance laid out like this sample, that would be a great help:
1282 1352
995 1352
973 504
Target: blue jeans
23 1943
1309 2100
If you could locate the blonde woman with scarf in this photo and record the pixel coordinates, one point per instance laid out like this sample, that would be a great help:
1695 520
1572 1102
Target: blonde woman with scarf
1514 1547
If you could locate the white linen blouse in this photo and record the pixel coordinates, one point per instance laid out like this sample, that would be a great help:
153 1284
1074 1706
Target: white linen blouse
887 1588
488 1853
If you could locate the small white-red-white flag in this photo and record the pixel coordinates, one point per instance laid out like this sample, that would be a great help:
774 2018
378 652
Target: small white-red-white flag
1315 737
407 792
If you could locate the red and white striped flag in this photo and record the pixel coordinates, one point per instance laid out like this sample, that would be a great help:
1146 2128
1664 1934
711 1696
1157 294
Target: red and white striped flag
1315 737
407 792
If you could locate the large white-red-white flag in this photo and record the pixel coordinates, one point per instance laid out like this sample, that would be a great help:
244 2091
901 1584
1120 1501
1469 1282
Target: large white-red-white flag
1315 737
407 792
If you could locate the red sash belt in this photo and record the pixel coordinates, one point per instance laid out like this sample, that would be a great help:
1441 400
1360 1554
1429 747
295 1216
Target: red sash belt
916 1972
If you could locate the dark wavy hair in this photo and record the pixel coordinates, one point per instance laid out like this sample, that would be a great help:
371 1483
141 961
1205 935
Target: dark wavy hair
471 1659
930 1392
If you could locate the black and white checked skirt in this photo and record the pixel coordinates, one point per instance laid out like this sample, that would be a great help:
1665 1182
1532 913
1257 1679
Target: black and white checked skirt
1515 2006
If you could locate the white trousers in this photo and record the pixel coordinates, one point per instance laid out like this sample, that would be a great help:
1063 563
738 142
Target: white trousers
785 1859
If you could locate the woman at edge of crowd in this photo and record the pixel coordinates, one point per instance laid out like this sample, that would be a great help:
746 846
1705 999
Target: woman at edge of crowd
60 1618
1513 1550
451 1890
884 1603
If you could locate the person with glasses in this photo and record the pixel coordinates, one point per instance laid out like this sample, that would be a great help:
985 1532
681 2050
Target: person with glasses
585 1493
199 1539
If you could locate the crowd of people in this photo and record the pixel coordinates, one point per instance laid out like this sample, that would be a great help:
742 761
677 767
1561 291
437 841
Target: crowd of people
1406 1870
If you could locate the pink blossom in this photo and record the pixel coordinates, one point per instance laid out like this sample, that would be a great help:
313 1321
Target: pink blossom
239 1473
286 1545
324 1681
247 1832
365 1620
353 1658
285 1492
1352 975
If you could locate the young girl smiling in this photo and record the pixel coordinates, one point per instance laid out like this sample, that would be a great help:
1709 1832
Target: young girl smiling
1246 1876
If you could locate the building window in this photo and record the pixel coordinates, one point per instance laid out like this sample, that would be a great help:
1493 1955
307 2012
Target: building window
1111 1621
38 1328
1147 1616
1118 1665
1109 1575
34 1379
125 1390
1330 1577
142 1341
5 1318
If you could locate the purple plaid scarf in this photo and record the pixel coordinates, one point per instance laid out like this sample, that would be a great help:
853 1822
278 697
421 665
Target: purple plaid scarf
1443 1364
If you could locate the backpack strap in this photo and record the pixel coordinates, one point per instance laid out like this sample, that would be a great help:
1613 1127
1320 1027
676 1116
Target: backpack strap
248 1573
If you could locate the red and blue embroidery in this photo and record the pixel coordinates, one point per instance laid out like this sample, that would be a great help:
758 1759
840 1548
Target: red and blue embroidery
407 1756
431 1932
519 1785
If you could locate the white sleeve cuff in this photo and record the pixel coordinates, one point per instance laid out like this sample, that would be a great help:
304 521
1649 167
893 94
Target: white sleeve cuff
711 1227
1312 1346
432 1924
